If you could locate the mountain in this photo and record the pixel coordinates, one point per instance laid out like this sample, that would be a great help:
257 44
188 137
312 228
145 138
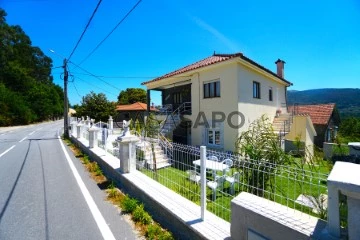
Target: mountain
347 99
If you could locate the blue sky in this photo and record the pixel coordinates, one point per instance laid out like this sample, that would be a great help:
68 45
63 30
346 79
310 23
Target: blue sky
319 40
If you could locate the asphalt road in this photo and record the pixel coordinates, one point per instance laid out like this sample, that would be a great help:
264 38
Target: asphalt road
46 195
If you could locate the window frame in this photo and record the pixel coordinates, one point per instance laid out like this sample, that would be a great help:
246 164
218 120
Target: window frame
212 89
256 90
177 98
214 132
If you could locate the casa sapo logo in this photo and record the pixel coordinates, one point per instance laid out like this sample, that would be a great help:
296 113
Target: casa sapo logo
234 119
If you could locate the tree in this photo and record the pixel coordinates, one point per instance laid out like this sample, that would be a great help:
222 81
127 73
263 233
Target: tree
14 110
349 130
96 106
132 95
152 126
29 94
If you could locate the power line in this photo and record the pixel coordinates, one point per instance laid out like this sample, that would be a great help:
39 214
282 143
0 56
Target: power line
127 77
117 25
86 27
139 77
93 75
57 67
95 86
76 89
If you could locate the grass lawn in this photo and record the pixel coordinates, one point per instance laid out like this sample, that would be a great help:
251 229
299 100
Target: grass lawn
288 185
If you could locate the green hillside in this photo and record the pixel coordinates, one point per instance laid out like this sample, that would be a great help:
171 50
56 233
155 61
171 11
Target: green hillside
347 99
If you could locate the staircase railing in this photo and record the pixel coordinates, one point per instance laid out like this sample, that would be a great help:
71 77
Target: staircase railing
166 146
170 118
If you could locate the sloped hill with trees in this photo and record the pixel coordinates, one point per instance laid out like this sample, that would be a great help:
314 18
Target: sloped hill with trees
27 91
347 99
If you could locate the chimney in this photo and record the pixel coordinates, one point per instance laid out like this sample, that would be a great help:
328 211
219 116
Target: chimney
280 68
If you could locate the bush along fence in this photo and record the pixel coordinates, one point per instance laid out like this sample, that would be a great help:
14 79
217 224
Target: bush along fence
212 179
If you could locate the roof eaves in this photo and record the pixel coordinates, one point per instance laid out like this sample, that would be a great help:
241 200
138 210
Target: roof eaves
265 69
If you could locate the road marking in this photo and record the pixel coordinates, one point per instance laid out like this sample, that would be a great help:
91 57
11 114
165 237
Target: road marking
99 219
22 139
31 133
38 129
7 150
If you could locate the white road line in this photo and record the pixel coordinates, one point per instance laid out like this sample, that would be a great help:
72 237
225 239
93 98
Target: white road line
7 151
22 139
31 133
99 219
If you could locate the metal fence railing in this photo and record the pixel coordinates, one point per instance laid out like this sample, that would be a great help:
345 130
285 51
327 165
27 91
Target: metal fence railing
178 167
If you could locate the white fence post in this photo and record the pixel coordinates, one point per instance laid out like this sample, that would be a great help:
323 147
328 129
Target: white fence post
203 180
333 211
111 123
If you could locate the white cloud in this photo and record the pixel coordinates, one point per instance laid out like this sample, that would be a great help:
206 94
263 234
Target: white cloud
217 34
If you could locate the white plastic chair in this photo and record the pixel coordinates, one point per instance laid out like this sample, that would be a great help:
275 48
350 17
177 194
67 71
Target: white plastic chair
213 158
228 162
194 177
232 180
214 185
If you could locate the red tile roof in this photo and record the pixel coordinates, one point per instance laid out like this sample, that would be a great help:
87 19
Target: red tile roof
215 58
320 113
138 106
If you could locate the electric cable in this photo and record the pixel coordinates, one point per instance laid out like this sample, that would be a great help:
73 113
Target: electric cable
86 27
76 89
93 75
117 25
95 86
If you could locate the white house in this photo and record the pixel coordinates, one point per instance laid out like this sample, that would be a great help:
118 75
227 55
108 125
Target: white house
229 86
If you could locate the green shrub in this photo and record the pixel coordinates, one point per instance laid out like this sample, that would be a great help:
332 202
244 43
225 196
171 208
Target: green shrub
98 171
340 150
166 235
94 167
140 215
86 159
154 231
112 191
129 204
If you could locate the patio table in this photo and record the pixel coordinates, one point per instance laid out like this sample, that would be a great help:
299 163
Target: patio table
212 165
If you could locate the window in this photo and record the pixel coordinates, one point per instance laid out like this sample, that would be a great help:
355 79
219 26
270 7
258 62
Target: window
212 89
270 94
177 98
214 137
256 89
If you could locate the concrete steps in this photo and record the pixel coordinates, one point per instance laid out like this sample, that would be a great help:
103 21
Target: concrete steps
280 121
162 160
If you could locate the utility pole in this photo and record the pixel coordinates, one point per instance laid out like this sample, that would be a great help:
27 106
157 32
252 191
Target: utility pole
66 111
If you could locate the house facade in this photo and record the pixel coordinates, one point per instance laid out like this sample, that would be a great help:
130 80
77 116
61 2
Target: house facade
134 111
325 118
224 94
